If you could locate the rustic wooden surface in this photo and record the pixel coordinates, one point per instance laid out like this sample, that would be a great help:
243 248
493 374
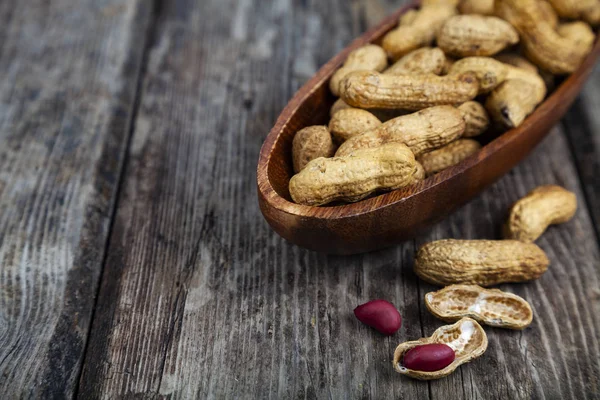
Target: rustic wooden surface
197 297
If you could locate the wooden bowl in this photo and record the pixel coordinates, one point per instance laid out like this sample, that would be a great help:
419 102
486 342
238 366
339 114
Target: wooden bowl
392 217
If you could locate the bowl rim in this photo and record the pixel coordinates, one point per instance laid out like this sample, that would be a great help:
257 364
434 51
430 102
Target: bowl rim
388 199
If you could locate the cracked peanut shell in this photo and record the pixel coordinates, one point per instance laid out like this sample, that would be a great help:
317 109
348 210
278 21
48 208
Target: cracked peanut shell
491 307
479 262
466 337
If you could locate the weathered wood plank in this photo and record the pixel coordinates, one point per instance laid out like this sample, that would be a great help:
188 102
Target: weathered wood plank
68 81
582 124
201 299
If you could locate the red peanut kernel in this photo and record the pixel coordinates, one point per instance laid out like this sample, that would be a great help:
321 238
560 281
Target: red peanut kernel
428 357
381 315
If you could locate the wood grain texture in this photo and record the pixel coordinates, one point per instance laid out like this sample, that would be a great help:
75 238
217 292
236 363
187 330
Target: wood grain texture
200 299
581 125
68 79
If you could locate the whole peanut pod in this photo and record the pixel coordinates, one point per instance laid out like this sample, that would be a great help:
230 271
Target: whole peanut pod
381 315
479 262
354 177
351 122
489 72
367 89
541 43
511 102
579 32
481 7
449 155
310 143
417 29
475 35
422 131
542 207
577 9
369 57
419 62
476 118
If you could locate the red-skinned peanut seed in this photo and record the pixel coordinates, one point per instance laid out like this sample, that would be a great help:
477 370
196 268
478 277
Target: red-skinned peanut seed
381 315
429 357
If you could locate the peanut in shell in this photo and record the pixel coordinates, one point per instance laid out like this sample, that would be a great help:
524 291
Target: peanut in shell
310 143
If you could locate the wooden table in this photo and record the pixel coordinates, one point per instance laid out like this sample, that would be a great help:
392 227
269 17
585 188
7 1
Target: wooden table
135 262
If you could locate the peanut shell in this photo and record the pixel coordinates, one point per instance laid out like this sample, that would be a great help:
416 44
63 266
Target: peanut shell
479 262
466 337
355 176
369 57
475 35
367 89
481 7
544 206
541 43
476 118
417 29
489 72
449 155
310 143
351 122
491 307
418 62
422 131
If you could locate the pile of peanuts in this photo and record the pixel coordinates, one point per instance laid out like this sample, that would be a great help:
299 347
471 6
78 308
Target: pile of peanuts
464 268
394 125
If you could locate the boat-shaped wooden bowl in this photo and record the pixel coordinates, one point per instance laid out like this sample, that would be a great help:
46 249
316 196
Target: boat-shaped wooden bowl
392 217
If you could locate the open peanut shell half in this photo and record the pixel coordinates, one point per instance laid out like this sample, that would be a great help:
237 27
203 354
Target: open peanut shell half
491 307
466 337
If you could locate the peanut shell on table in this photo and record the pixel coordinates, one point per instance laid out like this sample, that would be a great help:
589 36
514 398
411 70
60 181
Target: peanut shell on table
491 307
466 337
479 262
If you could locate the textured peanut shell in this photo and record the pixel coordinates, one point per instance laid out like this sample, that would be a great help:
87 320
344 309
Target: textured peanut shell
544 206
422 131
339 105
419 173
579 32
489 72
449 155
541 43
491 307
417 30
511 102
351 122
421 61
479 262
517 60
475 35
370 57
354 177
476 118
310 143
481 7
577 9
448 65
466 337
367 89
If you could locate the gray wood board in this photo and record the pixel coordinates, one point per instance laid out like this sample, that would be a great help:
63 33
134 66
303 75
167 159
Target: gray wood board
201 299
67 85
